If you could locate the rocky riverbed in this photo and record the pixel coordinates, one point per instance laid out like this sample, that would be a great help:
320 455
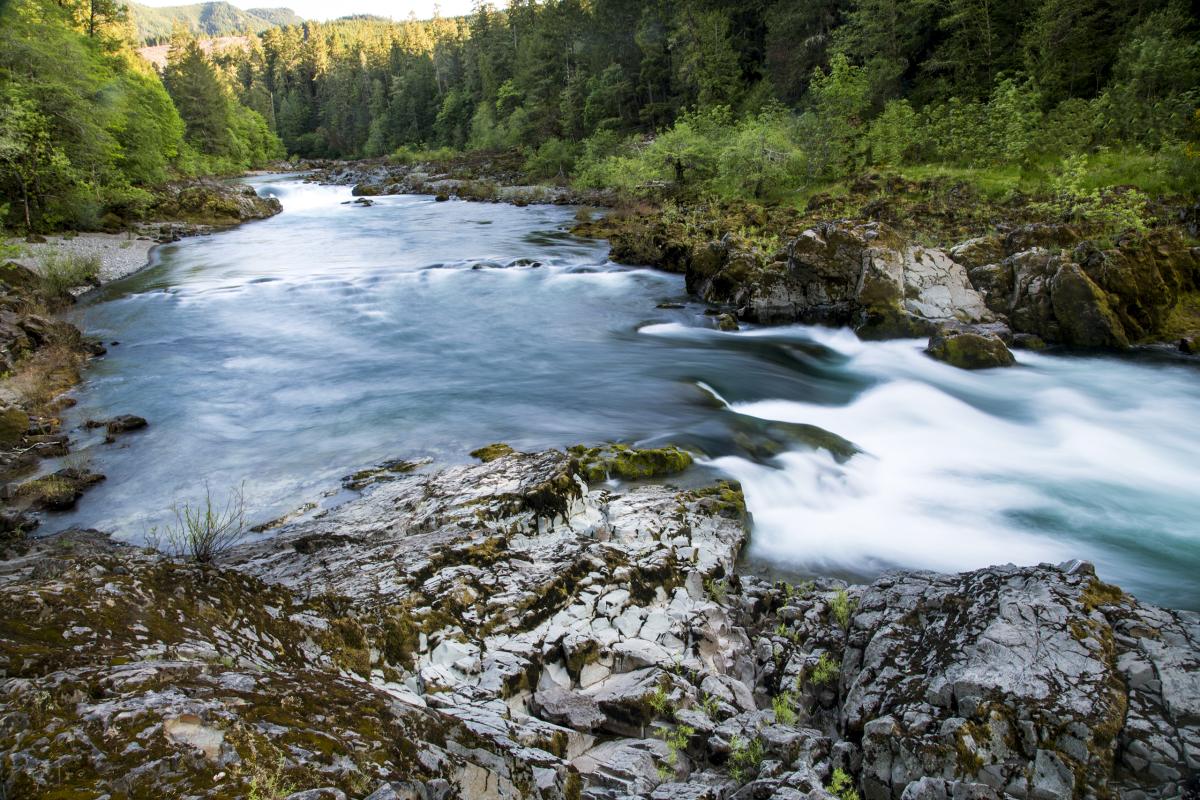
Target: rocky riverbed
508 630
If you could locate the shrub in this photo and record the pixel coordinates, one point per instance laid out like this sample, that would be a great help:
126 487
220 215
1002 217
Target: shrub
1111 212
842 785
826 671
555 158
841 607
893 136
209 528
61 272
781 704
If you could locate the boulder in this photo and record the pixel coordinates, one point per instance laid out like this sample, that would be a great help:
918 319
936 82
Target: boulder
969 348
864 276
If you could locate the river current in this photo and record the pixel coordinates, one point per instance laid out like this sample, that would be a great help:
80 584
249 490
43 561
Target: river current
287 353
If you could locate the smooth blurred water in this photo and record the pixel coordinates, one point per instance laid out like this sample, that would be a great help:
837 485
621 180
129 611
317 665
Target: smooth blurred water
290 352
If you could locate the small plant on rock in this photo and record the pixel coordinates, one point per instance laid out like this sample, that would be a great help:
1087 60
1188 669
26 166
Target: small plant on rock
842 607
711 706
269 784
717 589
782 705
744 758
207 529
826 671
842 786
660 702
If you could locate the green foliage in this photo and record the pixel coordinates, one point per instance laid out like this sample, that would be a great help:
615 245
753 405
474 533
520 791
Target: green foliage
841 607
81 120
555 158
892 138
783 704
825 672
63 271
744 758
677 739
841 785
226 135
718 590
660 702
1112 212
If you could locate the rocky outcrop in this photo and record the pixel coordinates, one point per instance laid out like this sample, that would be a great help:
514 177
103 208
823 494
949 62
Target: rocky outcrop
505 630
1048 282
211 202
863 276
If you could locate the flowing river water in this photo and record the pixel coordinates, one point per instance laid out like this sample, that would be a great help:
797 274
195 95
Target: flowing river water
287 353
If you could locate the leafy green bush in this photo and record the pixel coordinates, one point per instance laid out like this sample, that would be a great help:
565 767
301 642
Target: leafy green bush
1111 212
555 158
782 705
894 136
841 607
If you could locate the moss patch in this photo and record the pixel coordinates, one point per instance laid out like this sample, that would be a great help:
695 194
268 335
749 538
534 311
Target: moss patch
621 461
492 451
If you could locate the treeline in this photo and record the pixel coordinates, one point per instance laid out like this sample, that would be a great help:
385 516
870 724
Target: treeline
88 129
158 25
817 86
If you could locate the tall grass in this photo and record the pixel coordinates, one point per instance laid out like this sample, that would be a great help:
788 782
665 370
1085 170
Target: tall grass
61 272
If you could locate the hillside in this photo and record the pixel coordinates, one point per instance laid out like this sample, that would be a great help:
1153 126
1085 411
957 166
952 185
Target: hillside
154 25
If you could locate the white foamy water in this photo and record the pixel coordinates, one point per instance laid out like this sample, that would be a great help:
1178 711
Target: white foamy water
1060 458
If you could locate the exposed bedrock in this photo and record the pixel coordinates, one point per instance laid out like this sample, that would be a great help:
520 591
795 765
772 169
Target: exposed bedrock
504 630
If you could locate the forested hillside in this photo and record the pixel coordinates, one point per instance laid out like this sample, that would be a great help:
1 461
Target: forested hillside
88 129
155 25
761 94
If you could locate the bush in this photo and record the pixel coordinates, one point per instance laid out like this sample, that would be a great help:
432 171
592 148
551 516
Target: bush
841 786
826 671
555 158
1111 212
207 529
61 272
893 137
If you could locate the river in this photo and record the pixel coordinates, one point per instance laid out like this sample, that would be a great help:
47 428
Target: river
287 353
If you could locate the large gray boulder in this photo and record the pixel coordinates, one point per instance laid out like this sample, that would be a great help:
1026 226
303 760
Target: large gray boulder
864 276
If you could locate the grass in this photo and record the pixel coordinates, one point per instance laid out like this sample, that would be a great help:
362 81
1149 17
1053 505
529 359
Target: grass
208 528
46 374
61 272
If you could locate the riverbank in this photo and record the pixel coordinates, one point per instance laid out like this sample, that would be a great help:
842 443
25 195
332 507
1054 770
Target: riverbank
506 630
886 256
43 356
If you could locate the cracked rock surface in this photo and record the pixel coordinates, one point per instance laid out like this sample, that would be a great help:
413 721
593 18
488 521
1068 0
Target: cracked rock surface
502 630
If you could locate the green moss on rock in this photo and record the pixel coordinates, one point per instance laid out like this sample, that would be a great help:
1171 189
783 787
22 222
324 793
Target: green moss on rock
492 451
622 461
